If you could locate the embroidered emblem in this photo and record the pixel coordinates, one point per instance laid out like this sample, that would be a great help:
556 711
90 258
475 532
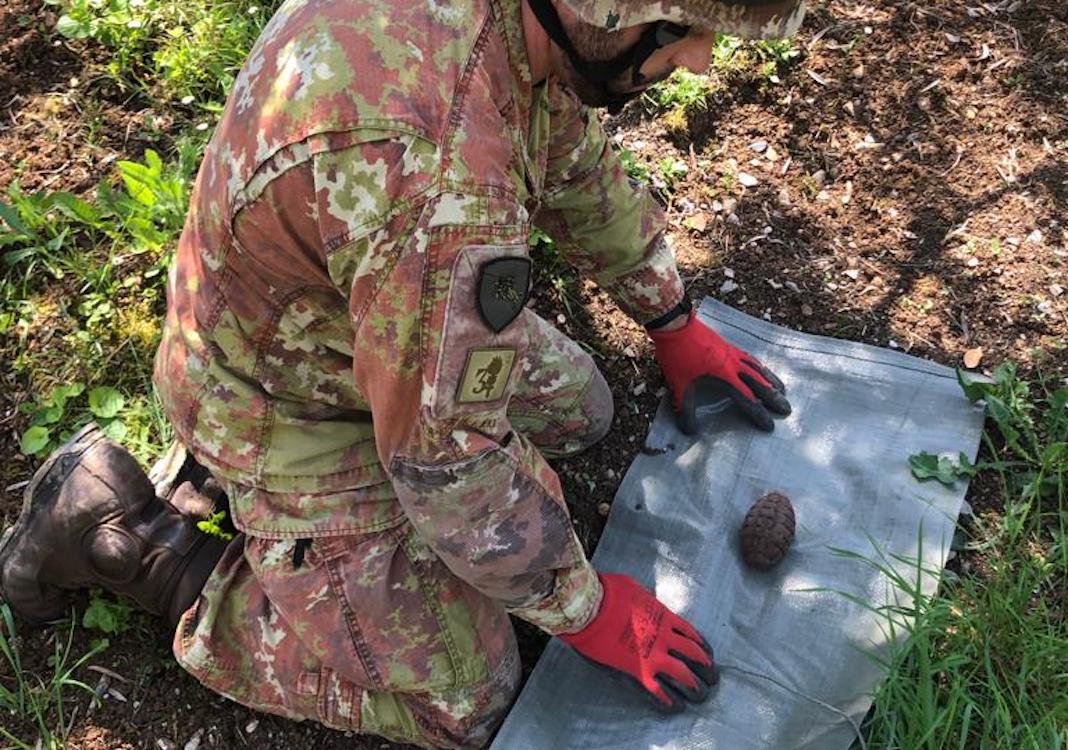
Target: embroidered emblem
503 289
485 375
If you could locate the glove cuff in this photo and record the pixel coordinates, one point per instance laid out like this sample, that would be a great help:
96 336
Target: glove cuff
668 337
576 640
684 307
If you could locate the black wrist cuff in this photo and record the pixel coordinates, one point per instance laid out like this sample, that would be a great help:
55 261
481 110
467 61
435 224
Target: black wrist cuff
683 308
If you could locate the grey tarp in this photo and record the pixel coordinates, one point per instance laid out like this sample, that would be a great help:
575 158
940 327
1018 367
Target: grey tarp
859 412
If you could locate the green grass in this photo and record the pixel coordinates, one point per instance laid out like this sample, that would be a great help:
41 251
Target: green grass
187 50
984 662
36 700
81 298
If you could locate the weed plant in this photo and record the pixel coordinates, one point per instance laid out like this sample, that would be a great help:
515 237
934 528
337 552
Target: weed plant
87 276
983 664
170 48
36 701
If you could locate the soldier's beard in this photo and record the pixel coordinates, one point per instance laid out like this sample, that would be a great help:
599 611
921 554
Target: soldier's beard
597 44
595 95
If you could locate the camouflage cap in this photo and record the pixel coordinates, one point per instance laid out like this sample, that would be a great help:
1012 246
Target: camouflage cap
750 19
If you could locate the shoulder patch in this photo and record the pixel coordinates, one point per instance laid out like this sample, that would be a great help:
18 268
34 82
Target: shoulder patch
503 289
485 375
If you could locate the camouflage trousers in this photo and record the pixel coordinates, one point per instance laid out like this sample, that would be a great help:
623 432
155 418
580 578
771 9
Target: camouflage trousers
371 633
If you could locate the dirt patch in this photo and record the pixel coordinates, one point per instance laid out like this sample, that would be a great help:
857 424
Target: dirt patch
907 187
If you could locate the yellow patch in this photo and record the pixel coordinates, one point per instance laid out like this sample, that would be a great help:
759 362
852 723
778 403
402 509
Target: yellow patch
485 375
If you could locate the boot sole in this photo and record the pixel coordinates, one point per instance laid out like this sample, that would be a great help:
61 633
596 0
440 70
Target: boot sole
81 441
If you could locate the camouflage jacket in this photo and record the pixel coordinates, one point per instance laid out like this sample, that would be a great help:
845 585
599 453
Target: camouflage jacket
372 157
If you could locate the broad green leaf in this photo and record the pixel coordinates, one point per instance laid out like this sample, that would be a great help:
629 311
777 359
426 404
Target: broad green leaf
34 440
105 402
75 208
929 466
138 180
48 415
974 388
115 429
71 28
153 161
62 393
1003 417
108 616
14 222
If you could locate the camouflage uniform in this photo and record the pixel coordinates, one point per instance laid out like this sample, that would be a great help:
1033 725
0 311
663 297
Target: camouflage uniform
329 355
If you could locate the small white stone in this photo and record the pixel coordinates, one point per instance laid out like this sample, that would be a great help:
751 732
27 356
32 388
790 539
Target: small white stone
727 287
747 179
972 262
728 272
561 318
1056 290
638 389
1035 238
759 146
893 344
187 99
251 726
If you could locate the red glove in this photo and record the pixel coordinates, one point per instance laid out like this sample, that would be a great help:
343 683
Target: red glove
637 635
696 353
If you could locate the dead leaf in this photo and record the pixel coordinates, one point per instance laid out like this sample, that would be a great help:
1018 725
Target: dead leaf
697 222
972 357
817 78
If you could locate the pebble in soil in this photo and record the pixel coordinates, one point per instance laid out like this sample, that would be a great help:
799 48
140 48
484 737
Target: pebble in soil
767 531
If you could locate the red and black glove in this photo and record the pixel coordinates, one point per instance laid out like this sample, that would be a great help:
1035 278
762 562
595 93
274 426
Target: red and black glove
695 353
635 634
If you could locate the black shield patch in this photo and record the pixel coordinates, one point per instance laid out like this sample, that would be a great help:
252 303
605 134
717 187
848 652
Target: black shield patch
503 289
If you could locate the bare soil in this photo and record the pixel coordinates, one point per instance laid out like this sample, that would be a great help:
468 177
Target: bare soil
910 190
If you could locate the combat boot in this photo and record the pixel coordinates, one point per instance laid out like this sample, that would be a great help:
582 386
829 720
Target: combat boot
91 517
